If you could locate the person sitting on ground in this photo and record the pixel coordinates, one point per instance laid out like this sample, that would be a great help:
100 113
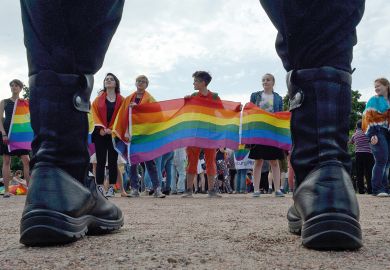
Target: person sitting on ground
17 179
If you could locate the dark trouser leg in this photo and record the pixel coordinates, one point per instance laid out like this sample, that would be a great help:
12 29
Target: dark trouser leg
134 177
101 158
315 42
112 161
63 203
167 164
60 35
152 170
264 181
360 159
368 165
325 206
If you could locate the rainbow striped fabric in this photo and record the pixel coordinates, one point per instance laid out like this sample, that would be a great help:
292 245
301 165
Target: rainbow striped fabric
241 153
241 158
160 127
262 127
20 132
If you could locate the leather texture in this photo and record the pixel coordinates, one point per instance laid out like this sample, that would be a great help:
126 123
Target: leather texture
325 207
53 189
62 203
60 130
319 126
328 188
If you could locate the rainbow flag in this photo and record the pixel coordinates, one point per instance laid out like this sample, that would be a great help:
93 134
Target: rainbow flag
160 127
241 158
241 153
20 132
262 127
91 126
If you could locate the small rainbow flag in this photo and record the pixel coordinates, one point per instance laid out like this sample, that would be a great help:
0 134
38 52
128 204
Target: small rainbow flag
91 126
160 127
241 153
20 132
262 127
241 158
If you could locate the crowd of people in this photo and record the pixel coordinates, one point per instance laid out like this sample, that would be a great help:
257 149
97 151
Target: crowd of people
63 56
185 171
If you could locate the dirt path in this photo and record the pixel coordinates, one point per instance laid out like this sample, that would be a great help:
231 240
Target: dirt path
235 232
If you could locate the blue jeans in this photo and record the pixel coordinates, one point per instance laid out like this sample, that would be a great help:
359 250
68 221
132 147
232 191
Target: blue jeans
152 170
126 176
241 180
147 182
165 162
380 172
179 168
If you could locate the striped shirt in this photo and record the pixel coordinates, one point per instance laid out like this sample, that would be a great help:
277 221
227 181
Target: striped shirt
361 142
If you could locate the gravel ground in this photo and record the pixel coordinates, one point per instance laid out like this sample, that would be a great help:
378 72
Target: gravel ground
234 232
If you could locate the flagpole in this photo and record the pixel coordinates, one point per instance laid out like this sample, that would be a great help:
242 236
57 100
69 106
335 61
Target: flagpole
240 127
130 135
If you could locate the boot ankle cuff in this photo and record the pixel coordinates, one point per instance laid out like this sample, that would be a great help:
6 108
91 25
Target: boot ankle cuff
82 83
323 73
48 78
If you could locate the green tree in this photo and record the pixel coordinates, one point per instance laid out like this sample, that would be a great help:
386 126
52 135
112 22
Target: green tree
356 109
285 103
16 164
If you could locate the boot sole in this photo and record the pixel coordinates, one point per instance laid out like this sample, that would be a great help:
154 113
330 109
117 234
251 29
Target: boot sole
332 231
295 227
45 227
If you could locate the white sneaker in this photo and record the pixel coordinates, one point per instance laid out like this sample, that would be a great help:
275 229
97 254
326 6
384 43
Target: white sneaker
158 193
382 194
145 193
110 192
134 193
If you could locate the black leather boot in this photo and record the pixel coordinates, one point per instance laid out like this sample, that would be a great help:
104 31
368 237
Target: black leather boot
325 209
62 203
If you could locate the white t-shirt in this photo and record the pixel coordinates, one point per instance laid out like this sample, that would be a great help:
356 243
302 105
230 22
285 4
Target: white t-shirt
267 102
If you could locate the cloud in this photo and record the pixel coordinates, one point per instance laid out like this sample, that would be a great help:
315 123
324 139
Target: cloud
177 39
168 40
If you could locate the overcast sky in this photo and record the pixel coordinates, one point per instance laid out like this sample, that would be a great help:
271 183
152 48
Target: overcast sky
168 40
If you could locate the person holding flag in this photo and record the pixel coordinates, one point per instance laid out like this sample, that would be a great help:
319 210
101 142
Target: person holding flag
7 108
